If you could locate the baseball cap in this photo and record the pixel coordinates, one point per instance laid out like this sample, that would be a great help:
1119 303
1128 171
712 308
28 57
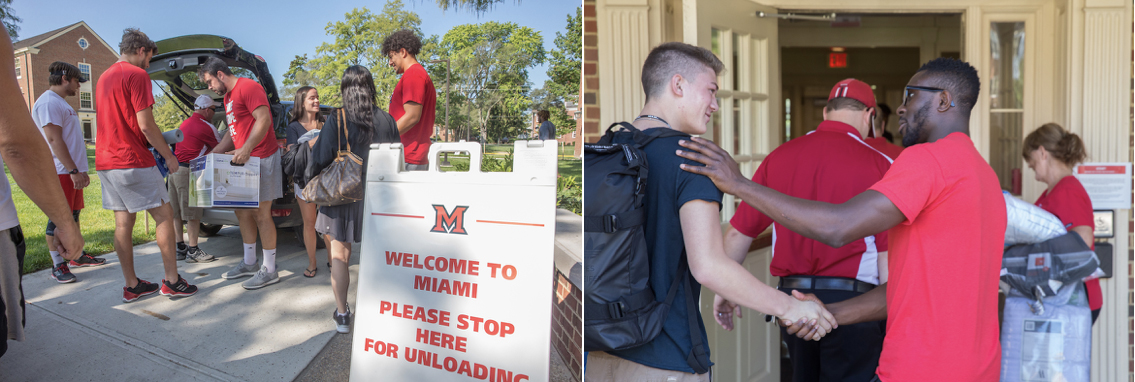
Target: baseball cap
203 102
854 89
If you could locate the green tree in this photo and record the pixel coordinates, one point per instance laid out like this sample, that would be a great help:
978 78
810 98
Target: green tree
168 113
564 72
477 6
490 63
296 77
9 19
358 41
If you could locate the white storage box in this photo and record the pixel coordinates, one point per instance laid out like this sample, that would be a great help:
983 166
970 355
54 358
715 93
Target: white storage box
217 183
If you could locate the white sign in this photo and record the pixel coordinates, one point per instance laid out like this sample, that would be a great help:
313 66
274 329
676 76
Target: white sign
216 182
1108 184
455 271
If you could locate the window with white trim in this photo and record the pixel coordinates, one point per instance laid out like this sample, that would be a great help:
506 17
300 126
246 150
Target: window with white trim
85 69
19 68
85 100
83 43
1006 98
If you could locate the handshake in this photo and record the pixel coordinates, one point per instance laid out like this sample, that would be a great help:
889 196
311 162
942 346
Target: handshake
805 316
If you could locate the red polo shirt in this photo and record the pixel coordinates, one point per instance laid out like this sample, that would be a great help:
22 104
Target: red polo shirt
887 148
831 164
944 262
1070 203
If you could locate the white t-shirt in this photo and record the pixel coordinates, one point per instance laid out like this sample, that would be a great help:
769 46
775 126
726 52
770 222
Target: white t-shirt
8 218
52 109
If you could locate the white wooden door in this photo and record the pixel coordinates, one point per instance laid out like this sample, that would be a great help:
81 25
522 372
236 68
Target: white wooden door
746 125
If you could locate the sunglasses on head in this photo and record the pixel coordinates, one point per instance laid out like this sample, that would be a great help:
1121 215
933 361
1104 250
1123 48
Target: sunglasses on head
906 94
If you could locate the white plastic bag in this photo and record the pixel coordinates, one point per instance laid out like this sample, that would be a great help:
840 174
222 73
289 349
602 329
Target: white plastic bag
1028 224
1053 346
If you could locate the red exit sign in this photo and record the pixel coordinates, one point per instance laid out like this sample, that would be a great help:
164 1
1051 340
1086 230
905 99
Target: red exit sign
837 60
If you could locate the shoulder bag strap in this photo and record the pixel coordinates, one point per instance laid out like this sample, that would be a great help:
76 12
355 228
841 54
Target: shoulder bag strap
343 129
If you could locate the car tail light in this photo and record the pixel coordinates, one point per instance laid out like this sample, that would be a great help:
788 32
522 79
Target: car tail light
277 213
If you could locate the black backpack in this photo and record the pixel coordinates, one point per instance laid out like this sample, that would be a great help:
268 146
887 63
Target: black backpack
620 311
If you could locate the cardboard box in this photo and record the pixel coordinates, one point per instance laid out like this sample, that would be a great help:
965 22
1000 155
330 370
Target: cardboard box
217 183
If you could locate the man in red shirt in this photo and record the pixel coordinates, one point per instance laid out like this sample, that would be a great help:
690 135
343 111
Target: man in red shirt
880 138
946 215
414 98
251 134
200 138
831 164
127 170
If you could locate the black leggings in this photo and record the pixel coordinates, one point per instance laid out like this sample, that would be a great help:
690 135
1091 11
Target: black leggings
51 224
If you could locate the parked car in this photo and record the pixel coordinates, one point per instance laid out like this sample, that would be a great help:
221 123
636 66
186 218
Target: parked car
175 64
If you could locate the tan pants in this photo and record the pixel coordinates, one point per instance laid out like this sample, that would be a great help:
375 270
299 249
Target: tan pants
603 367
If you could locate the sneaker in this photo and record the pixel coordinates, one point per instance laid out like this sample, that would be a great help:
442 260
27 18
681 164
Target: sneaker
143 288
181 288
182 251
196 255
262 279
342 322
86 260
240 270
62 274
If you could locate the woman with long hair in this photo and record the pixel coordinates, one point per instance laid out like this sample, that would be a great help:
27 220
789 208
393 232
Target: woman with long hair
304 118
1051 152
342 225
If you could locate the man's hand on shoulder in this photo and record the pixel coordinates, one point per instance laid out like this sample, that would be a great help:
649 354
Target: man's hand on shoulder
719 166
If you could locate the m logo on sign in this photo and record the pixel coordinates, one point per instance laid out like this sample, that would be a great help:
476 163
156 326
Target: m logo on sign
450 222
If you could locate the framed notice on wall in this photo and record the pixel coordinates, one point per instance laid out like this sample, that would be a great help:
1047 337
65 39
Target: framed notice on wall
1108 184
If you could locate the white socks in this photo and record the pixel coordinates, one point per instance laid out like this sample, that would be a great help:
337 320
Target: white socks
56 258
270 260
250 254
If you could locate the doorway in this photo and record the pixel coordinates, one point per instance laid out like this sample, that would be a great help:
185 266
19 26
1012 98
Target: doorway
883 50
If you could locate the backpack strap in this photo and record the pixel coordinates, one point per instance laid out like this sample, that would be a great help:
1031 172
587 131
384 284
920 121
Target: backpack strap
698 358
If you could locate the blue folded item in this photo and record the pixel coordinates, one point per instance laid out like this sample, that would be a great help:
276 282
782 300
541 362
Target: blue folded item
161 162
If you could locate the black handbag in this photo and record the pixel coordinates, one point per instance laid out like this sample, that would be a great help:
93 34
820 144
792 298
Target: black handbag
342 181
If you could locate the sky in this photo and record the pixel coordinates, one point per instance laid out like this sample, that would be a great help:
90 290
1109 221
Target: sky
279 31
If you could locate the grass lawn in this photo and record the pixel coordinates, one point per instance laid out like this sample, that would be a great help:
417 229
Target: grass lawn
567 167
96 224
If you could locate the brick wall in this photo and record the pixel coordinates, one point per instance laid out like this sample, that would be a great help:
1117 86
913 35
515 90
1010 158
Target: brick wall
591 130
66 48
567 323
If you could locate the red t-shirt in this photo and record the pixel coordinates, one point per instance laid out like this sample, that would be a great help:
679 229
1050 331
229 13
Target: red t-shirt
1070 203
199 138
945 260
887 148
122 91
415 86
830 164
240 101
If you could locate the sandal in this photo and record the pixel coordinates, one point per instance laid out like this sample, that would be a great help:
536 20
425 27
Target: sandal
309 273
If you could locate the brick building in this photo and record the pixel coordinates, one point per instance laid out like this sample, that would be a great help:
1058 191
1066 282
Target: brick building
77 44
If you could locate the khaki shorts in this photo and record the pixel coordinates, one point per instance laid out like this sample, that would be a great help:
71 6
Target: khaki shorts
179 183
603 367
133 189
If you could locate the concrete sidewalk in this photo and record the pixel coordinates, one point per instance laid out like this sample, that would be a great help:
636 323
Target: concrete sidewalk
84 332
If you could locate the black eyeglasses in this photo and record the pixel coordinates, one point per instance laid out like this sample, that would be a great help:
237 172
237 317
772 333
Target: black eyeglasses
906 92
